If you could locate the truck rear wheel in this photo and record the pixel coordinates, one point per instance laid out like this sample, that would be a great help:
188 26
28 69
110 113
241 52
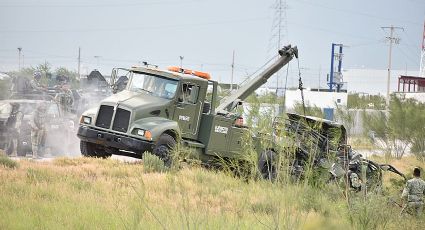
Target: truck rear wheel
91 150
267 165
163 148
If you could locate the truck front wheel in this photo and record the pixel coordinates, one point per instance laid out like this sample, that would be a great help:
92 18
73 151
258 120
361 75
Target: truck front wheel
163 148
91 150
267 165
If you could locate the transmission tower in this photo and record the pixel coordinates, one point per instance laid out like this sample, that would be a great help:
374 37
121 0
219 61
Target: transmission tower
422 68
279 31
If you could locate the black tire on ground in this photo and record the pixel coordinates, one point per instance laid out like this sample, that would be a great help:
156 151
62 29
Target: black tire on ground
90 150
163 148
267 165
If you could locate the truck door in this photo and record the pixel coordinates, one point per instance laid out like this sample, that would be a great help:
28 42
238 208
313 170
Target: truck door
188 110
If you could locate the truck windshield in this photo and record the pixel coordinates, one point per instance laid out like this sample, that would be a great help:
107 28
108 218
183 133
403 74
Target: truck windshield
153 85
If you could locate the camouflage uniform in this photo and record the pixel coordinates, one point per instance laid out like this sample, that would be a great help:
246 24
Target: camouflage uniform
38 130
65 99
414 192
35 83
14 127
353 173
355 181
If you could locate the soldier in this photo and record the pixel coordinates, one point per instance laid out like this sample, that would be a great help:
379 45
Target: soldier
13 125
65 98
36 84
38 130
353 176
414 192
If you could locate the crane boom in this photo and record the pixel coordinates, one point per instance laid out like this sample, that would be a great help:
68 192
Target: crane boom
228 103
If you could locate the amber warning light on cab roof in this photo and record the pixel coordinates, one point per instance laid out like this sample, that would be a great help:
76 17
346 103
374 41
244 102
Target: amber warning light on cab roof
190 72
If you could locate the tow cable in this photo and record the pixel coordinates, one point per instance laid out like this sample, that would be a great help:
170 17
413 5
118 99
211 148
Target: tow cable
300 85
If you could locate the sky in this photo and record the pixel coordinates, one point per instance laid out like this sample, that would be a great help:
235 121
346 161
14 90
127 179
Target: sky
207 32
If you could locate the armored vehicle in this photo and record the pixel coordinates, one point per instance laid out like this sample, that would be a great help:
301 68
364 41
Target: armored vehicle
160 108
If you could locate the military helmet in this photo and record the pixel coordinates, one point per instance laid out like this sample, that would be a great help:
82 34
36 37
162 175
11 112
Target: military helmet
37 75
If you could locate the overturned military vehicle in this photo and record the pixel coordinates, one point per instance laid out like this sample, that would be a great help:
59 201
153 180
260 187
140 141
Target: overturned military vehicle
321 145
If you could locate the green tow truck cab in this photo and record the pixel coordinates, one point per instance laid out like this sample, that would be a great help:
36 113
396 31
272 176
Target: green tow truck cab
160 108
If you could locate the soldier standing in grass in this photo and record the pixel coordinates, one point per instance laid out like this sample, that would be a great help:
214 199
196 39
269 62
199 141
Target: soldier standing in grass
38 130
13 124
414 192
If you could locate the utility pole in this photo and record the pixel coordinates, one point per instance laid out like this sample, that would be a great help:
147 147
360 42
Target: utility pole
320 73
392 40
181 62
79 62
422 66
233 67
19 58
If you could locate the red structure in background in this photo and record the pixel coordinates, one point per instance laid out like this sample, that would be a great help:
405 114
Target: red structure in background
411 84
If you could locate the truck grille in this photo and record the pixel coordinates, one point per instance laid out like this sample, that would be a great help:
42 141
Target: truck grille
122 117
104 117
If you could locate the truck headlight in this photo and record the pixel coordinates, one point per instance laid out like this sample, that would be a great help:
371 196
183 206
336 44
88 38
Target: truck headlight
144 133
85 120
141 132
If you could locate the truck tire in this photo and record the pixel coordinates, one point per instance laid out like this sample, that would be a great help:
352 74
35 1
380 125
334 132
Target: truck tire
89 150
267 165
163 148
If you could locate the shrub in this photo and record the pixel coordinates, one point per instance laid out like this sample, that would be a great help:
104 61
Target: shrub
153 163
7 162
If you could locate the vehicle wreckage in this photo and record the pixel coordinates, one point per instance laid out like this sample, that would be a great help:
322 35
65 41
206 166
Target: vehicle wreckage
322 144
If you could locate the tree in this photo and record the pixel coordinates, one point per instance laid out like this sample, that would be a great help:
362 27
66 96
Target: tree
310 110
344 116
72 75
399 128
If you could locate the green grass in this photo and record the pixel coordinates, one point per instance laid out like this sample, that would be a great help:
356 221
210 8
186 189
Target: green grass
7 162
106 194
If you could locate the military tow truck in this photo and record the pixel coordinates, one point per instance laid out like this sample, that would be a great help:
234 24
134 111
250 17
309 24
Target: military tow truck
160 108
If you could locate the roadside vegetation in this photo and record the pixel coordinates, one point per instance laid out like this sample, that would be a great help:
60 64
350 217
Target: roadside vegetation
88 193
106 194
398 130
48 74
365 101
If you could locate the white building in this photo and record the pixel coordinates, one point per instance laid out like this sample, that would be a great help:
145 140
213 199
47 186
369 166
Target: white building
373 81
321 99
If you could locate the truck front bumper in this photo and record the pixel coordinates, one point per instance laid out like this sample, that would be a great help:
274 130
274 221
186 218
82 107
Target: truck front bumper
114 140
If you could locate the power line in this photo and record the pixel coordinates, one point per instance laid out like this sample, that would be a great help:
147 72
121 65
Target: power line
121 4
356 12
133 28
351 35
